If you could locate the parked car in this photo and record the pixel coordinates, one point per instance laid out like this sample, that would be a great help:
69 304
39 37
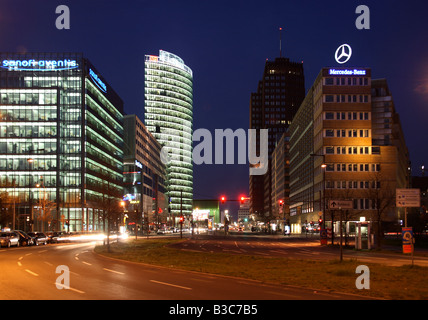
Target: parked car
38 238
55 236
8 239
24 238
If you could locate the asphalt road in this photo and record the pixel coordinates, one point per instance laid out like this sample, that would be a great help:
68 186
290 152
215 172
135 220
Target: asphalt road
296 248
29 273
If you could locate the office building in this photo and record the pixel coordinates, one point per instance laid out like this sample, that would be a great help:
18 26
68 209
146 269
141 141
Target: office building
338 152
169 117
144 174
280 168
61 141
279 94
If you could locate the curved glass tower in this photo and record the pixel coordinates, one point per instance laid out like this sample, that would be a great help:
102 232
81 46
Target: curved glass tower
169 117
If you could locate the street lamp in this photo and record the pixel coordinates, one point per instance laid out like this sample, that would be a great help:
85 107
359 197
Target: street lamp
30 182
323 166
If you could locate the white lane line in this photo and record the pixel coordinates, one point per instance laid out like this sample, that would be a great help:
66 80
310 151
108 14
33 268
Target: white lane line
42 251
266 254
19 264
20 258
29 254
87 263
170 284
31 272
277 251
48 263
113 271
60 285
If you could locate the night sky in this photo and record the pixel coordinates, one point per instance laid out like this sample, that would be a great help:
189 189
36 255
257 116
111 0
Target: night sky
226 44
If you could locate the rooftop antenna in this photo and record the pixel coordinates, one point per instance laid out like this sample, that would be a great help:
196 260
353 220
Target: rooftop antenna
280 42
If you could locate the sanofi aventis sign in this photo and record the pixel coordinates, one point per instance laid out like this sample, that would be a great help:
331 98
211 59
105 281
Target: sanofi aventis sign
98 82
39 65
347 72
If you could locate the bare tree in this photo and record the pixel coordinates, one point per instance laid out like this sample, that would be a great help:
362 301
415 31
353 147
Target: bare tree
381 194
45 207
111 210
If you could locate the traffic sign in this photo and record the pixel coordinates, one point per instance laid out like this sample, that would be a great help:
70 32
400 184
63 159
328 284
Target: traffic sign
407 236
408 198
323 236
340 204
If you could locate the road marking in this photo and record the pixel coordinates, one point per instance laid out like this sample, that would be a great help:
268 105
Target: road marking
19 264
266 254
31 272
48 263
87 263
229 250
171 285
29 254
20 258
67 288
42 251
277 251
113 271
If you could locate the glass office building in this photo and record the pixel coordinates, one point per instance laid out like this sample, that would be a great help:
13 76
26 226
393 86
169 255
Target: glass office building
169 117
61 137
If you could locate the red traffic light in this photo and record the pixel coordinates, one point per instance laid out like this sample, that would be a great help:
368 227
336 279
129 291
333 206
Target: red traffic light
281 202
223 199
242 199
181 219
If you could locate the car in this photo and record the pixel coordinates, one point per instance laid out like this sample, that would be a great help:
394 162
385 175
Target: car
38 238
24 238
8 239
55 236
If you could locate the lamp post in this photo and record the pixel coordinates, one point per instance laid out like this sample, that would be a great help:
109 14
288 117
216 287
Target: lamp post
323 166
30 182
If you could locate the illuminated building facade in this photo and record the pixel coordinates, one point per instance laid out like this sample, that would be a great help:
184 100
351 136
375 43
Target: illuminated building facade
342 148
61 141
279 95
169 117
142 163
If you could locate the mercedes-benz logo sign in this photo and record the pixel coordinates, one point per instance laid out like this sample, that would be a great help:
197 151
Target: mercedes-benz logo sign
343 53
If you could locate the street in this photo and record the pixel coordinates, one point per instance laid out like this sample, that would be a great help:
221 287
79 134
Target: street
29 273
297 248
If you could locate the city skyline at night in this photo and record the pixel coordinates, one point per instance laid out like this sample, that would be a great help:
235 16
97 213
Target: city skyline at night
216 42
169 152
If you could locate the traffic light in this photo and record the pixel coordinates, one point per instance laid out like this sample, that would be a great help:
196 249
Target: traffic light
242 200
181 219
223 199
281 202
320 221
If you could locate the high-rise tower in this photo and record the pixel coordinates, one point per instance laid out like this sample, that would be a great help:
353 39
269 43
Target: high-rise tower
169 117
279 95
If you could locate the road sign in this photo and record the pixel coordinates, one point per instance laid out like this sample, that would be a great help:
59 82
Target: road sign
408 198
407 236
340 204
323 236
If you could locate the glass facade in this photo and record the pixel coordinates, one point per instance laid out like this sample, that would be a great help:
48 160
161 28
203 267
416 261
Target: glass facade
60 141
169 117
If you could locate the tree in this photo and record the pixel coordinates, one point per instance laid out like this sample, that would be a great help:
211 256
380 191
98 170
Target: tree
381 194
111 210
45 207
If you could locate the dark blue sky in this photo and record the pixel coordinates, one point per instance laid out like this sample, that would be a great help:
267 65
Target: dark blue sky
226 44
